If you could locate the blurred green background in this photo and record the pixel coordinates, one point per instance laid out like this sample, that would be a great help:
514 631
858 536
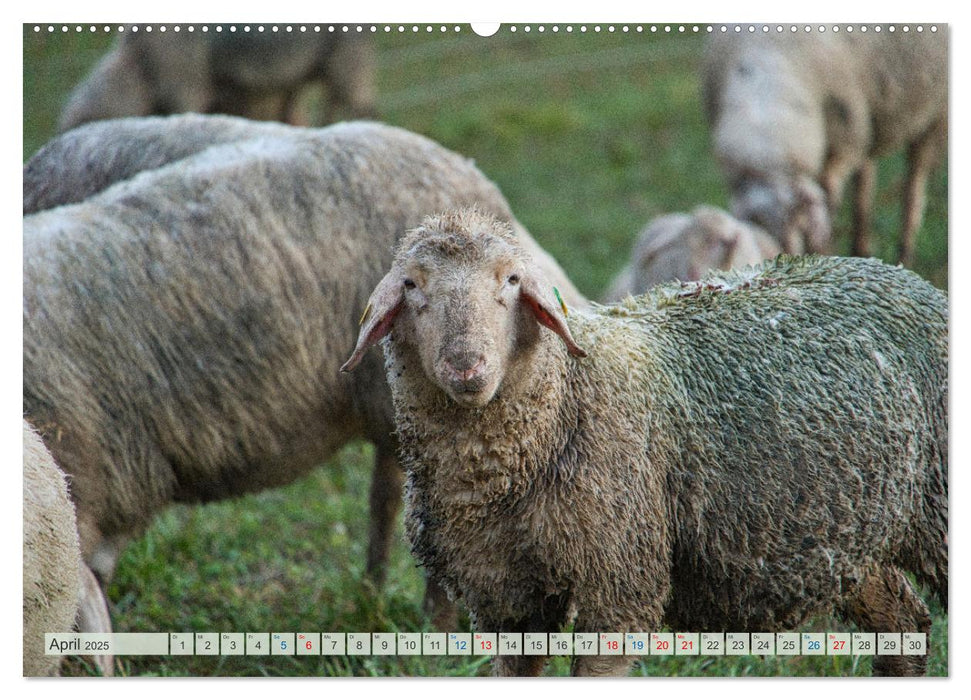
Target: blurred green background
589 135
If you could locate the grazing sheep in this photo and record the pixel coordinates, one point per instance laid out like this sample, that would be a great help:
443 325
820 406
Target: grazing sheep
738 453
250 74
182 328
52 557
793 116
685 246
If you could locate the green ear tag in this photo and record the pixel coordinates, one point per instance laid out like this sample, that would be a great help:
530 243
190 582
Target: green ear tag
367 310
560 299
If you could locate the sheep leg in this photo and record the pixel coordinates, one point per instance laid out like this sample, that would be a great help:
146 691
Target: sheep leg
922 156
387 483
550 612
262 107
294 109
104 557
93 616
864 185
518 665
349 76
100 555
886 602
442 612
833 180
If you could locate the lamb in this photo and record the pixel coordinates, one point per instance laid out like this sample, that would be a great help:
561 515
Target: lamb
685 246
794 116
738 453
250 74
182 328
52 557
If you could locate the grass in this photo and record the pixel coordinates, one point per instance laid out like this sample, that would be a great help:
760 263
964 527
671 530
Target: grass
589 136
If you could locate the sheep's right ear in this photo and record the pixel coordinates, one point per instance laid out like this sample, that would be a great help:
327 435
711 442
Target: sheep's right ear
385 302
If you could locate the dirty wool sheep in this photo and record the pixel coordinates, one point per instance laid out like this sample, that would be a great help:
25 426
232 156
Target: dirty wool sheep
52 557
183 329
684 247
739 453
794 116
252 75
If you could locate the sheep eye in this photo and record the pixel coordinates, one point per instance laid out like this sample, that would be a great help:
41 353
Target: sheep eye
409 284
513 279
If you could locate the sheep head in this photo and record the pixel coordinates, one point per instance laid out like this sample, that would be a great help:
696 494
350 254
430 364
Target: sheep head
791 208
467 299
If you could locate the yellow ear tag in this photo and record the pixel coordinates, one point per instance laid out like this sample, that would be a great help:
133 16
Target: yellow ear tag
560 299
367 310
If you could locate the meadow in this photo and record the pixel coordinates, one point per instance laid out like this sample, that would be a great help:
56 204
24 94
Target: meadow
589 135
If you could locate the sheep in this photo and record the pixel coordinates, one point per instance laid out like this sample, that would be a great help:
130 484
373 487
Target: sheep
737 453
685 246
52 556
90 158
180 326
60 591
794 116
253 75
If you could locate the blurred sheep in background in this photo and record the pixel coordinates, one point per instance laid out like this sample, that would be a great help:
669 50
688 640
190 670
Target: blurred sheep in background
249 74
686 246
794 116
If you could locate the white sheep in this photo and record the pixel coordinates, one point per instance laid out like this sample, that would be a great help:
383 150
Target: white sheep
52 557
90 158
794 116
249 74
686 246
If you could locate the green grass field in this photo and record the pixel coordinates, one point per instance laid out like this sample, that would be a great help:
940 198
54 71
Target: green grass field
589 136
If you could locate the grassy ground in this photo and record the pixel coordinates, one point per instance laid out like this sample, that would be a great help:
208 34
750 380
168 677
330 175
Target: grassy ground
589 136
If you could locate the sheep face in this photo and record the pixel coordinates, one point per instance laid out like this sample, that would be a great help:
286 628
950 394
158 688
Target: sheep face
793 209
465 298
683 247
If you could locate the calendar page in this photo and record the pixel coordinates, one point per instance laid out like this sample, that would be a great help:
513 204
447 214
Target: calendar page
224 474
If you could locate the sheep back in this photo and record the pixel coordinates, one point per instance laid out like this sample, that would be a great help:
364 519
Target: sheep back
810 438
90 158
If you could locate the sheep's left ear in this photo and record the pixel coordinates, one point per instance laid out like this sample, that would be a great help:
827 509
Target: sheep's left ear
385 302
549 310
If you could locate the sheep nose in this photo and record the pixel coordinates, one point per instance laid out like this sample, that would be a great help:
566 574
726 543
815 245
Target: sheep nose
465 368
